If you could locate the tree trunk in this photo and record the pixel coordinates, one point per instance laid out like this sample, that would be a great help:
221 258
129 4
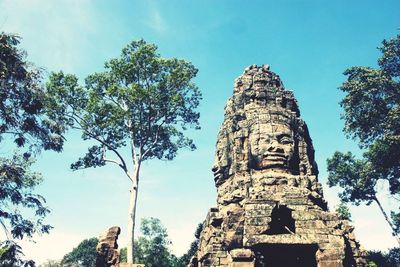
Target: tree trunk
131 217
387 219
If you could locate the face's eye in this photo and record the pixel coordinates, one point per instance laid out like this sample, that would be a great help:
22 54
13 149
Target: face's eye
286 140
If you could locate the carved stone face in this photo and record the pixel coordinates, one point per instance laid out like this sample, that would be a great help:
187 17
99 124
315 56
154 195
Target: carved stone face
271 146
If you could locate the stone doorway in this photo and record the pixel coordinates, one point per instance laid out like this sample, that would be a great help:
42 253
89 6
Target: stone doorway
288 255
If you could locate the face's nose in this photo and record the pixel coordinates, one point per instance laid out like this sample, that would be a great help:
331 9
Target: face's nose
274 146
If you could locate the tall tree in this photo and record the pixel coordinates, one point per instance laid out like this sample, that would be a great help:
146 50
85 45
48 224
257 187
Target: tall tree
24 128
142 101
372 117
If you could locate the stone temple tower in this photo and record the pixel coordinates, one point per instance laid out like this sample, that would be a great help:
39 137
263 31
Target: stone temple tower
270 206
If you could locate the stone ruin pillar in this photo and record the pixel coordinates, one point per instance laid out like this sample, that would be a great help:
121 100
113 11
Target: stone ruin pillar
107 248
270 207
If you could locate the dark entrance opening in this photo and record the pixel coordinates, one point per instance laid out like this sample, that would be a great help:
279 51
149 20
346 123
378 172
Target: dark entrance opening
281 221
287 255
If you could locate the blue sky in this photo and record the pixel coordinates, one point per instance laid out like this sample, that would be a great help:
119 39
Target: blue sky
308 43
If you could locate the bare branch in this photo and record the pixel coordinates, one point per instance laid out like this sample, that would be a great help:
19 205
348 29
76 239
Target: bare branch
387 219
123 164
5 229
115 162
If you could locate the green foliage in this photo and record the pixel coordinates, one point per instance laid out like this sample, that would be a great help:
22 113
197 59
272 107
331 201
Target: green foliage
83 255
372 116
343 211
152 248
51 263
193 246
388 259
375 259
22 101
389 62
372 113
353 175
393 257
11 255
25 127
395 216
123 255
140 98
16 185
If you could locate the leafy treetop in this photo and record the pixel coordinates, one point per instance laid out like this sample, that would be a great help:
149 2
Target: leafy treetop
141 99
372 116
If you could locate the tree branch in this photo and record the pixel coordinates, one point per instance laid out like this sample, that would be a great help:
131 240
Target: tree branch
155 140
123 164
5 229
115 162
115 102
387 219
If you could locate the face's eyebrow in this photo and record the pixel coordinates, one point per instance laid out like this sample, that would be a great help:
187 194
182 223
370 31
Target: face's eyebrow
281 134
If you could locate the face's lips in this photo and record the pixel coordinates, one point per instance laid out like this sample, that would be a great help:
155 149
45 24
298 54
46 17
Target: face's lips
218 173
275 157
272 160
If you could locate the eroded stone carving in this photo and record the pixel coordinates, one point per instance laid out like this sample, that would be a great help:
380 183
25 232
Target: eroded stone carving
269 200
107 248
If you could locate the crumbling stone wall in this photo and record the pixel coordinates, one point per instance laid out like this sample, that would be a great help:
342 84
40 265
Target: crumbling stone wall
269 198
